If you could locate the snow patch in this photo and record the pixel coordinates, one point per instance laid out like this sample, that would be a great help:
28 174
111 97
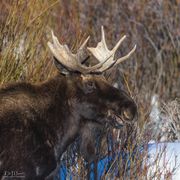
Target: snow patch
164 158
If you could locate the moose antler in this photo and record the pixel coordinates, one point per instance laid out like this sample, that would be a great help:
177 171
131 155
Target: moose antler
102 52
69 60
73 62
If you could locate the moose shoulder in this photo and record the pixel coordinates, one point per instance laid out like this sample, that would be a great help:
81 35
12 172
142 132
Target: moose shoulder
38 122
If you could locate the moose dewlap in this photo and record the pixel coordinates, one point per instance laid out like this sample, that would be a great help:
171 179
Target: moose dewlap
38 122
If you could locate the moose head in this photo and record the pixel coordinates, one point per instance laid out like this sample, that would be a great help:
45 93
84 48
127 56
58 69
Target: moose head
98 100
38 122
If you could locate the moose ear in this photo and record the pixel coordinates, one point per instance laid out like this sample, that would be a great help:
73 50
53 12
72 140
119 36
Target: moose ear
60 67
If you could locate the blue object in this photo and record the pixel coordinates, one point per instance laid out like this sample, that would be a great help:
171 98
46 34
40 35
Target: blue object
104 165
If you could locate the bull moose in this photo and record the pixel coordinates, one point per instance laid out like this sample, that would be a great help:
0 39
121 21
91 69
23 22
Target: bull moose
38 122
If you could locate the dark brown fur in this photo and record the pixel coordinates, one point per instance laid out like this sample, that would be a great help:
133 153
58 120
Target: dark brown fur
38 122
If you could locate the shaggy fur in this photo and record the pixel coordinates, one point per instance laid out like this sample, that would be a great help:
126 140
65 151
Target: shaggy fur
38 122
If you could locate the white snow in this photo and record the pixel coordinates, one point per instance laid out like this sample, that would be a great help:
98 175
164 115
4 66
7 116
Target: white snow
164 157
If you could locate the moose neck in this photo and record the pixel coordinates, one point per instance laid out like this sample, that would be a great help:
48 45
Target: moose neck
62 117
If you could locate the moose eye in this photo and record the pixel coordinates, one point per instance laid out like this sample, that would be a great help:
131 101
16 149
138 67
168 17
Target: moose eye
89 87
127 115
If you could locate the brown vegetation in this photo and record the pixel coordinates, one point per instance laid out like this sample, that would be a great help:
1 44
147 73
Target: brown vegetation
152 25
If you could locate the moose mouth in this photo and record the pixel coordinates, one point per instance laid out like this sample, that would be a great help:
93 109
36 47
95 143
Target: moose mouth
117 121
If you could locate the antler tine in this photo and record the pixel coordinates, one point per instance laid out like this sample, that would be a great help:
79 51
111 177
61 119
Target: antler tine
126 56
118 44
84 43
81 52
55 40
103 40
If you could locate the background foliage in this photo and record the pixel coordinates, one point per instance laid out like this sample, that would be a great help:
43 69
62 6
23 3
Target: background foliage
153 25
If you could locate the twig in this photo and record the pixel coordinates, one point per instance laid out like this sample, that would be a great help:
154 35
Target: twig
34 19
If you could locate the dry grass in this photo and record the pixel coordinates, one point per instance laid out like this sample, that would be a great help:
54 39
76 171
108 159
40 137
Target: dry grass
23 38
152 25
